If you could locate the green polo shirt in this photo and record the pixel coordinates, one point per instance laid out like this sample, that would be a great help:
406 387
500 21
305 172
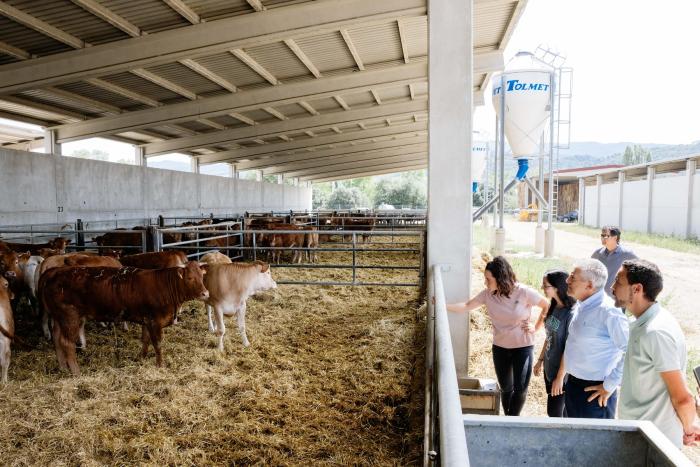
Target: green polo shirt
656 344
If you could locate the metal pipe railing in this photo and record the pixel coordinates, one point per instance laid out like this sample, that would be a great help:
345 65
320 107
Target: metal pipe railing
453 442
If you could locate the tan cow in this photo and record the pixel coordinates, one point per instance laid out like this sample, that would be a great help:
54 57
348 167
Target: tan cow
229 287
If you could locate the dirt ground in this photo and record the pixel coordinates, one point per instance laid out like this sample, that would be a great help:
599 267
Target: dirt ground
680 295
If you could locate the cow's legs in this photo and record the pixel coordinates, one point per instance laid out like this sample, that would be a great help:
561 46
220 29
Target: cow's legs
5 354
156 336
57 338
220 326
145 340
45 324
81 334
212 326
241 324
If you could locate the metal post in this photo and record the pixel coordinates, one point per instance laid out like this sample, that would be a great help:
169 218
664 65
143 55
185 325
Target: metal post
495 169
501 154
690 168
549 234
651 173
354 247
254 255
581 201
155 235
161 221
599 190
80 237
621 181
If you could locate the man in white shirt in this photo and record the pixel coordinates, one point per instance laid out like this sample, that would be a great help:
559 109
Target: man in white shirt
653 382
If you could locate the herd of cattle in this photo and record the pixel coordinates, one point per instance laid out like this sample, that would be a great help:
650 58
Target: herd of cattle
113 285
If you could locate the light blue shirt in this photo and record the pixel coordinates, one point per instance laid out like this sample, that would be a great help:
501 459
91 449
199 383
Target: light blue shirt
597 341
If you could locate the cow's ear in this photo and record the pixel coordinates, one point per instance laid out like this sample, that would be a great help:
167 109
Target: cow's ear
264 267
181 273
204 267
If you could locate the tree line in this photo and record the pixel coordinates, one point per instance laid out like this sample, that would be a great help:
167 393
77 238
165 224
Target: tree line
403 190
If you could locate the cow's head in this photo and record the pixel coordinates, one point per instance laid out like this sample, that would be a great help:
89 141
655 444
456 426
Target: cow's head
60 244
264 280
192 280
5 289
9 265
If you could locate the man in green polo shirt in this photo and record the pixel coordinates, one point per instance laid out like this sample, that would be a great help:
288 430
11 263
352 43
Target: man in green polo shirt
654 387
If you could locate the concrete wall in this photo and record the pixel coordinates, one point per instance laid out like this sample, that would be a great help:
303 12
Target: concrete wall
669 205
38 188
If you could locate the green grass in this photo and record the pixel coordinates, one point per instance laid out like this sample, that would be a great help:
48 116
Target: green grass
669 242
530 270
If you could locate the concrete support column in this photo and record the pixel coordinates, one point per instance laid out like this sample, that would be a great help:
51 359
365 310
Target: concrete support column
690 168
295 181
258 175
581 201
139 157
651 173
232 171
621 197
51 146
280 179
599 189
194 164
450 83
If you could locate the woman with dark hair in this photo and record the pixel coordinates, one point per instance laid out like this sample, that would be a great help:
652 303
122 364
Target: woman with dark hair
557 327
509 305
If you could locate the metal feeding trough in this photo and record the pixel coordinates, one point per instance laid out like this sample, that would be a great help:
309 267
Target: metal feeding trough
543 442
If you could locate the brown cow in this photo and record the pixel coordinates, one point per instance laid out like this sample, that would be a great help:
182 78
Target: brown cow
229 287
119 242
10 270
7 327
147 297
156 260
58 243
70 259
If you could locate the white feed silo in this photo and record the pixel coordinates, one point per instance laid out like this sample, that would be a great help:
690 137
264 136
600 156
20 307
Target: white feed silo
526 83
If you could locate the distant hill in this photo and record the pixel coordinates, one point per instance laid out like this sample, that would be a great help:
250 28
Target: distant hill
582 154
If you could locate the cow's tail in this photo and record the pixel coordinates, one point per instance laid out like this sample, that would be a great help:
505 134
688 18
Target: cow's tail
6 333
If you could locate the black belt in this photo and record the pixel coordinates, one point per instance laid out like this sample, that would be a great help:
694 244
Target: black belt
582 382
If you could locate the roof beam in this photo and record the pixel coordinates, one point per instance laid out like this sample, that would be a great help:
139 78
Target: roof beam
306 106
404 42
302 57
160 81
353 50
243 118
367 168
341 102
257 5
354 174
350 153
43 107
235 104
318 142
108 15
275 113
210 75
419 156
203 39
376 96
13 51
38 25
255 66
85 100
100 83
183 10
211 123
24 118
271 129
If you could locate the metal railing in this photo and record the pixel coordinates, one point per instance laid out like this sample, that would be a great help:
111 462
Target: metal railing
443 410
355 248
199 237
81 239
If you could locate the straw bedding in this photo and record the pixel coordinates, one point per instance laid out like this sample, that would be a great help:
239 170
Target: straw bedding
334 375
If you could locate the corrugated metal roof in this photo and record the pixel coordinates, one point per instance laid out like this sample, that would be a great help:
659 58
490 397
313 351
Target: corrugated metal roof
378 44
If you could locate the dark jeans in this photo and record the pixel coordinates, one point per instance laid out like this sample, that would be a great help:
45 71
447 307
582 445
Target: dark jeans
555 404
577 405
513 370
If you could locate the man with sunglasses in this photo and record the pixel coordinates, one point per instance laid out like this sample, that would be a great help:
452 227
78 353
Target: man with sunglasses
612 254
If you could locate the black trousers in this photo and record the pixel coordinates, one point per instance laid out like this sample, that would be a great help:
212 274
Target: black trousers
513 370
555 404
577 405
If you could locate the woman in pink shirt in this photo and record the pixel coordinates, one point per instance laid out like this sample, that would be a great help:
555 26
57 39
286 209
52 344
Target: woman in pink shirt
509 305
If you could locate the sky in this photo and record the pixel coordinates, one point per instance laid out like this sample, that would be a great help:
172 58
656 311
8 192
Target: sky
636 66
